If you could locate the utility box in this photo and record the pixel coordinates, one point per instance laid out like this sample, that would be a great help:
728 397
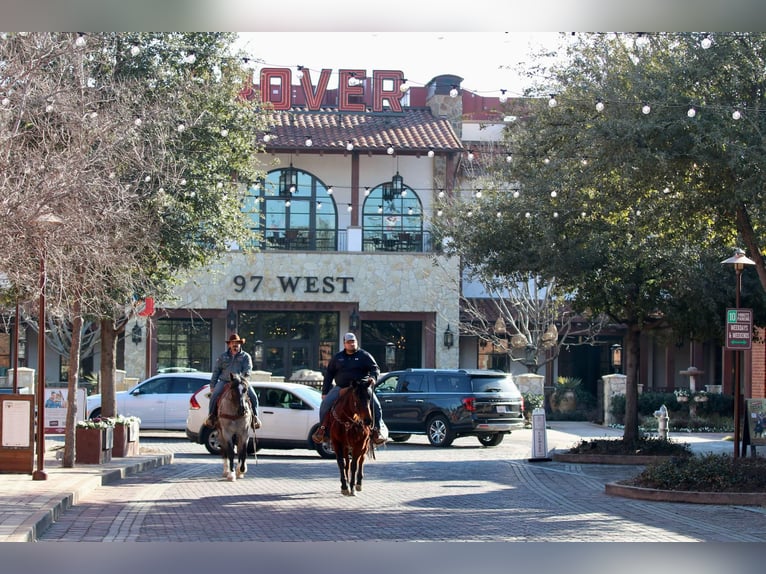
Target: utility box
17 445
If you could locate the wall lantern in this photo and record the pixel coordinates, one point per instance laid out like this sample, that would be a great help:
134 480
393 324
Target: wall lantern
231 320
616 357
353 321
449 338
136 334
388 192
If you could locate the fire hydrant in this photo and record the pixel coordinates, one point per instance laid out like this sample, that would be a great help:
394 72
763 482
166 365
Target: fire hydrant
662 417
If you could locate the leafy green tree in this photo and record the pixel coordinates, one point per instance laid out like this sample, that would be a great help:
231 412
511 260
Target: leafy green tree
632 178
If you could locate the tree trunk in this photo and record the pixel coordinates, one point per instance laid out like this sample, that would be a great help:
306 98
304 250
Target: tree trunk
108 368
70 444
632 337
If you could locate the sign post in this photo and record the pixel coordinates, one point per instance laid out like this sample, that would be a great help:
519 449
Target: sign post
539 438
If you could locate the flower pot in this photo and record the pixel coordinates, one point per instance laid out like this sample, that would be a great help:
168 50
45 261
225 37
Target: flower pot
93 446
700 399
682 399
563 402
125 440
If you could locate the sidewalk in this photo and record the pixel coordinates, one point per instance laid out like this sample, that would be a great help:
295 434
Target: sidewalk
28 506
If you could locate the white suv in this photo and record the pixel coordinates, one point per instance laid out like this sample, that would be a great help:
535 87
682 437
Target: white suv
289 414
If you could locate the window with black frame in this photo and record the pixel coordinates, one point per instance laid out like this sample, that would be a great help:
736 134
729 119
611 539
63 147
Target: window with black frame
392 220
185 343
292 210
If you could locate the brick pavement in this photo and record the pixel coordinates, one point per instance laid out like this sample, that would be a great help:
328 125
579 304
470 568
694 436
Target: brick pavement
413 492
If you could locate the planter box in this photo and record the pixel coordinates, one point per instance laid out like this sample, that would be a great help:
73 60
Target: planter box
93 446
125 440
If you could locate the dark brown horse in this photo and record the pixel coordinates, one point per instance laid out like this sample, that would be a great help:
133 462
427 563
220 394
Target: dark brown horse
350 434
234 418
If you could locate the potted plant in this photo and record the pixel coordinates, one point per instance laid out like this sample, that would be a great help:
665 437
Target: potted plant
700 397
682 395
563 399
93 441
125 436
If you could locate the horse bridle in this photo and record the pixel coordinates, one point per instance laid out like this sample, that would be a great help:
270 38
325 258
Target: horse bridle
241 393
347 424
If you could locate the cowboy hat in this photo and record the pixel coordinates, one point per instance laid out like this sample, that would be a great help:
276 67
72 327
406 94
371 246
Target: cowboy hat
234 338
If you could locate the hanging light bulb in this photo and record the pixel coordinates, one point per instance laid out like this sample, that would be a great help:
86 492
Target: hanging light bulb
409 211
527 215
319 205
330 190
503 97
353 80
80 41
190 58
692 112
287 203
707 41
470 155
350 207
599 106
555 214
646 110
224 132
137 122
439 212
554 194
736 115
552 103
349 146
380 209
470 213
453 92
181 128
509 158
309 142
135 50
404 86
390 149
477 195
299 72
367 191
267 137
498 214
440 195
431 152
516 194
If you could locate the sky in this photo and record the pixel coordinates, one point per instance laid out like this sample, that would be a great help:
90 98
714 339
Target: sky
487 61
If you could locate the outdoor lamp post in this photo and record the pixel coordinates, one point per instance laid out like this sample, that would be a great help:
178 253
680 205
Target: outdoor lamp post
616 357
258 354
390 355
43 222
738 260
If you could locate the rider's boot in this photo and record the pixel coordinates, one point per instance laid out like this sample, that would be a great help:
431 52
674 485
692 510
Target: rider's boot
319 435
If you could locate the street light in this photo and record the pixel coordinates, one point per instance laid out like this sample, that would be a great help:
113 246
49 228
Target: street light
738 260
44 221
616 357
258 353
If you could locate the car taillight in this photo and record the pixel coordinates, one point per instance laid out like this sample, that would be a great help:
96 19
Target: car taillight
193 403
468 403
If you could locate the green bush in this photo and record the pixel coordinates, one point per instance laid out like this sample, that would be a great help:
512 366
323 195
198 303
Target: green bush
705 473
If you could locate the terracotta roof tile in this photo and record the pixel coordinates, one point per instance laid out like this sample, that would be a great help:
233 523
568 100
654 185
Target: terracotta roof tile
412 131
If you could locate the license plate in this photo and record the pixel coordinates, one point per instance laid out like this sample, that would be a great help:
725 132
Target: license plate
502 409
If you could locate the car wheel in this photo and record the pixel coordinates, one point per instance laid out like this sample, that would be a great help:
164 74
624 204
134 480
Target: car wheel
400 437
439 432
210 440
491 439
325 450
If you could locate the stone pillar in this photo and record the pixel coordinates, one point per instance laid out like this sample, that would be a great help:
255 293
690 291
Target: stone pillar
530 383
26 380
613 385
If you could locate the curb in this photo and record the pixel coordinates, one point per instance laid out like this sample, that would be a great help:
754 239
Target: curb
692 497
41 520
634 459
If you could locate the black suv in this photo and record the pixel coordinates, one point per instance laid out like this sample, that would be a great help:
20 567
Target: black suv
445 404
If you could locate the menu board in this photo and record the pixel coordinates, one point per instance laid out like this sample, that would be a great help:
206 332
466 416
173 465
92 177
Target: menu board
15 424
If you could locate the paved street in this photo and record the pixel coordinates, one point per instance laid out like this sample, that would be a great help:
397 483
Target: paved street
412 492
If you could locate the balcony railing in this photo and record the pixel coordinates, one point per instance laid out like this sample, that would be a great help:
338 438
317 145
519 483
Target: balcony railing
338 240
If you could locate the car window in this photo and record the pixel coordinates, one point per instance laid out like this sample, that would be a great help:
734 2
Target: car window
289 400
412 383
388 385
454 383
156 387
183 386
501 384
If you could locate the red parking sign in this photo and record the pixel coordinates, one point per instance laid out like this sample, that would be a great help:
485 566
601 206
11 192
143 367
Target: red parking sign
739 329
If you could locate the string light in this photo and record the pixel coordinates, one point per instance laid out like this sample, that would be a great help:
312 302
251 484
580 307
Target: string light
503 96
646 110
349 145
552 103
692 112
453 92
707 41
431 152
299 72
599 106
736 115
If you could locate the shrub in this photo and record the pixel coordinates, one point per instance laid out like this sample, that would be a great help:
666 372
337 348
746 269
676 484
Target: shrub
705 473
644 445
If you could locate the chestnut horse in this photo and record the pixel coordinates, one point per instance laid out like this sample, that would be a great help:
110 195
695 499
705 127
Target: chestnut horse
234 418
350 434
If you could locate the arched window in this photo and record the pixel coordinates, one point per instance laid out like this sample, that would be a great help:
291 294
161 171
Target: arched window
392 221
291 209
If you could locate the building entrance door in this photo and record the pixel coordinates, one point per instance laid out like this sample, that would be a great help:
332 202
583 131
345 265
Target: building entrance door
283 358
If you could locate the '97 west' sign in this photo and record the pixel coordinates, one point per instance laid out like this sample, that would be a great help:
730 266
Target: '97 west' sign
293 284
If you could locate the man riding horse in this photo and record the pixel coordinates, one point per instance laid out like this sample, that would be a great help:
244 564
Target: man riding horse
236 361
350 364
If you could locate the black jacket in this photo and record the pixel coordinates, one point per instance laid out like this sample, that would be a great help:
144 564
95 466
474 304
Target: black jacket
345 368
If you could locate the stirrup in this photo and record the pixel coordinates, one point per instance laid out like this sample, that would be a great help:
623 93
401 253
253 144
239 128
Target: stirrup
318 436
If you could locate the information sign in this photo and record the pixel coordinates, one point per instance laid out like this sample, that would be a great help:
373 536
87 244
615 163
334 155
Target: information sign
739 329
